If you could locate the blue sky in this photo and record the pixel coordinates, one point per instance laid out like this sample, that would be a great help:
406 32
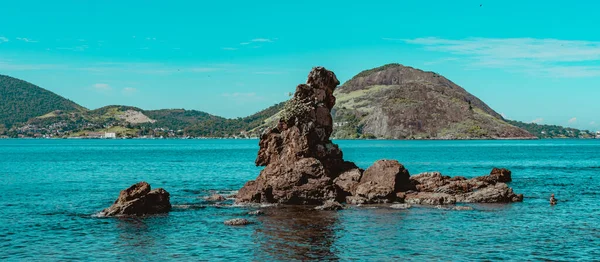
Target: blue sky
529 60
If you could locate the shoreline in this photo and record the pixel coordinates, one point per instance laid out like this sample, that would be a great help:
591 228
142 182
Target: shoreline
333 139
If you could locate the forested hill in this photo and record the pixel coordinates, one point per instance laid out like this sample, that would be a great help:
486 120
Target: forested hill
552 131
21 100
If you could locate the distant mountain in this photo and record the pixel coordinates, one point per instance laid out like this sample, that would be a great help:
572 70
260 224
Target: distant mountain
400 102
392 101
552 131
20 101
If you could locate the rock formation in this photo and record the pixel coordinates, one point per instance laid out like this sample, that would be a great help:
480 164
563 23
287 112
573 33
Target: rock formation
303 166
436 189
237 222
301 161
139 200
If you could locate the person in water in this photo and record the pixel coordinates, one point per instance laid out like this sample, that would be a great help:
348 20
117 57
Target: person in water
553 200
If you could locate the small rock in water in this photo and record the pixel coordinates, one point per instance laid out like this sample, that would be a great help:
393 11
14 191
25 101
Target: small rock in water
401 206
330 205
256 213
237 222
215 197
462 208
139 200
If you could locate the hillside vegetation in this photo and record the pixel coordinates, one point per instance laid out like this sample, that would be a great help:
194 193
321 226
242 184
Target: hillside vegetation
21 101
552 131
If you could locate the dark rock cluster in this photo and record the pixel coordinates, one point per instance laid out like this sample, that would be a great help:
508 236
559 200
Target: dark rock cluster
303 166
139 200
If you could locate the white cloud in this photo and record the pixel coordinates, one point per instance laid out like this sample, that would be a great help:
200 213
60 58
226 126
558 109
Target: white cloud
3 39
538 120
229 48
129 91
549 57
244 43
573 120
593 123
26 40
261 40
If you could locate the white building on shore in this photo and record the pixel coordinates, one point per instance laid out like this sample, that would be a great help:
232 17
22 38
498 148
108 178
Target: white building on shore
110 135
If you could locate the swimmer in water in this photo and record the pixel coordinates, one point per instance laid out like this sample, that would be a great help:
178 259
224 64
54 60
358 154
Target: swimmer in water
553 200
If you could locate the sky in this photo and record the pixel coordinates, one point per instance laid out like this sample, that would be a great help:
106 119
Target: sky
533 61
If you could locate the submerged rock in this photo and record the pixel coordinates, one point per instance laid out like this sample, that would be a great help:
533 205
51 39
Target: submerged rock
256 213
401 206
462 208
237 222
139 200
215 198
330 205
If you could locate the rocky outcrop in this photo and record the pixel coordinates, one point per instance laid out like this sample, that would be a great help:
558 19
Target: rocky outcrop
300 160
303 166
139 200
237 222
215 198
330 205
436 189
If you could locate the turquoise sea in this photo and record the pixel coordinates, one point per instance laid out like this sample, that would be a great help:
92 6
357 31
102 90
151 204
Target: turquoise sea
51 189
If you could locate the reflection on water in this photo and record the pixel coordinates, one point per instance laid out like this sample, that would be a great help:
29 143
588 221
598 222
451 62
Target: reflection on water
51 188
295 233
139 236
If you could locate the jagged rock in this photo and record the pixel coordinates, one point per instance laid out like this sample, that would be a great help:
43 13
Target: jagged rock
436 189
348 181
498 193
237 222
215 198
428 198
139 200
303 166
401 206
330 205
301 161
381 182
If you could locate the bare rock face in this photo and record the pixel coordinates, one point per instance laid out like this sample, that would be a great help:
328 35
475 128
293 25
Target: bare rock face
301 161
436 189
139 200
303 166
330 205
215 198
380 183
237 222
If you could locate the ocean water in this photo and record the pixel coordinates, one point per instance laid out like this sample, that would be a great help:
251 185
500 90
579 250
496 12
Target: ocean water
51 189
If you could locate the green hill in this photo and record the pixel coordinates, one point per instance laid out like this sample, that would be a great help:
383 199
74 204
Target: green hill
552 131
20 101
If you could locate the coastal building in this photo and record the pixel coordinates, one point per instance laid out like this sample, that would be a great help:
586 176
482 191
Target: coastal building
110 135
597 134
94 135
